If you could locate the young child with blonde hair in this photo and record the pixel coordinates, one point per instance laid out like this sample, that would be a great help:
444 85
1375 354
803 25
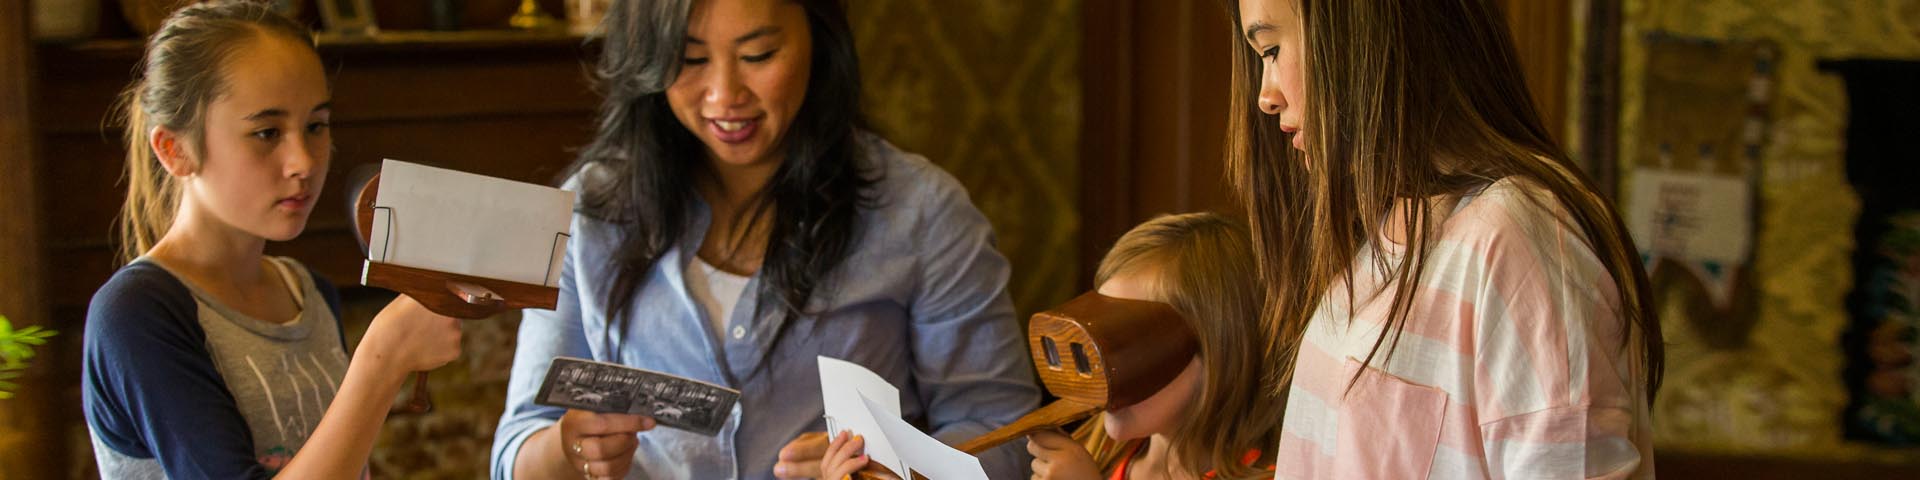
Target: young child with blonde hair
1218 418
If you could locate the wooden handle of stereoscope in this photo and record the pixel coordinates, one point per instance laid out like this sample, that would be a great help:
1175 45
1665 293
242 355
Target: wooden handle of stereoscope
1056 414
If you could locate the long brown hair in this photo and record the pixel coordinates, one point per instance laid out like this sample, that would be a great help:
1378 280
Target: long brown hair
809 208
1198 264
179 75
1406 100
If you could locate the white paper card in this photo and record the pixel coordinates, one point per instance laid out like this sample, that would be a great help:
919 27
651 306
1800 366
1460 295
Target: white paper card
457 222
845 390
858 400
1692 216
924 454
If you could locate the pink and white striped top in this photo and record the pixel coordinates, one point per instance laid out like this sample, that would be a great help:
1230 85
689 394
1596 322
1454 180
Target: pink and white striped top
1511 364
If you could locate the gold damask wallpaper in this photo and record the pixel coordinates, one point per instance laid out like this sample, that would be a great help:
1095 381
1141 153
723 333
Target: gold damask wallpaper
1782 391
988 89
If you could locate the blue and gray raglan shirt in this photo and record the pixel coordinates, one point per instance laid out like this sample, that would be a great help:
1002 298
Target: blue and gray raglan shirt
178 385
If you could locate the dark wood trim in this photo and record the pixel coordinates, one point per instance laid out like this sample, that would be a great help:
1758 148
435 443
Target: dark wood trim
1106 160
25 434
1846 463
1600 96
393 42
20 240
1542 37
1154 80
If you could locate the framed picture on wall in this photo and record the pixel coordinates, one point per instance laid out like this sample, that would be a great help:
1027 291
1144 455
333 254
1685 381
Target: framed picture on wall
348 17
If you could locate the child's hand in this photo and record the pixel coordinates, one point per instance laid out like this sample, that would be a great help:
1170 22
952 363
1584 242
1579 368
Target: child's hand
1057 456
844 456
407 337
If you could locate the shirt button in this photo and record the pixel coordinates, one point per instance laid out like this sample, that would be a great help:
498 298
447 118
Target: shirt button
739 332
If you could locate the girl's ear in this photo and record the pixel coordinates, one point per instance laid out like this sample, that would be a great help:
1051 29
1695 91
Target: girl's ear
170 150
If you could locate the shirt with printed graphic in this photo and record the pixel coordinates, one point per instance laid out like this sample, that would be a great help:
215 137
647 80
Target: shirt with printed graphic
178 385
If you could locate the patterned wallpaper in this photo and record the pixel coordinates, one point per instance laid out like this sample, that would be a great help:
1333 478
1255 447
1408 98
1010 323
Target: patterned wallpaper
1782 391
989 90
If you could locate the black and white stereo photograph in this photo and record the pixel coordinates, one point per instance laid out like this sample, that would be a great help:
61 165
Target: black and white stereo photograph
674 401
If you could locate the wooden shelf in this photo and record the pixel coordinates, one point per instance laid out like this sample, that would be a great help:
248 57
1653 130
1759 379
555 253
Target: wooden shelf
1848 461
467 39
492 41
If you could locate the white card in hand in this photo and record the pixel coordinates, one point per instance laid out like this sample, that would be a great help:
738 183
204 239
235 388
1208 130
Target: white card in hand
924 454
856 399
845 389
457 222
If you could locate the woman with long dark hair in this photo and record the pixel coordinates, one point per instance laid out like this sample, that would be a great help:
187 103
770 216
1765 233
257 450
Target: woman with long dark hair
735 222
1450 298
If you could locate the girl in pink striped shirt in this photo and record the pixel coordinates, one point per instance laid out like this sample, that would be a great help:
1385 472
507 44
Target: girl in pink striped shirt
1449 296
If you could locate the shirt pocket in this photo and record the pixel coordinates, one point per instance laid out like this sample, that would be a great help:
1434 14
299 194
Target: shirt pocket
1389 427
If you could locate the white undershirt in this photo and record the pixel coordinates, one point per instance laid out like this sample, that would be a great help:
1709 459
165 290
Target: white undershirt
716 291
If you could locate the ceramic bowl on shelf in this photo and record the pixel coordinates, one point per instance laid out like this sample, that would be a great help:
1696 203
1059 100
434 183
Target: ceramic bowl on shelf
65 20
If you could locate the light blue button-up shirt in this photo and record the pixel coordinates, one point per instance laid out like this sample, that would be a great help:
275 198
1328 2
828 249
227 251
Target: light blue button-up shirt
920 299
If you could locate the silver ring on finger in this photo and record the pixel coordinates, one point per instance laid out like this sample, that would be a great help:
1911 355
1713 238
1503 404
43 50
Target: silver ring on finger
577 448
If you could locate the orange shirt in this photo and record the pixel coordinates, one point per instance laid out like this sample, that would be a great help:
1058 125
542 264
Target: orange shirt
1120 467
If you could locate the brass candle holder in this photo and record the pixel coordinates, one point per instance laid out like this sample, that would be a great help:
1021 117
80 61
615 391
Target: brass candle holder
532 18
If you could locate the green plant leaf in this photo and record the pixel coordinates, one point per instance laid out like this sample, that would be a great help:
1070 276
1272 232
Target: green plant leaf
15 351
16 346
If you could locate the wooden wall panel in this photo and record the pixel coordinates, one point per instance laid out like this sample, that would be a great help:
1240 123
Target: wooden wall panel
1106 116
1154 116
19 242
21 449
1543 38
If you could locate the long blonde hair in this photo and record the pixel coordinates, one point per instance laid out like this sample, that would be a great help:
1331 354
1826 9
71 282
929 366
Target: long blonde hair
179 76
1198 264
1407 100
